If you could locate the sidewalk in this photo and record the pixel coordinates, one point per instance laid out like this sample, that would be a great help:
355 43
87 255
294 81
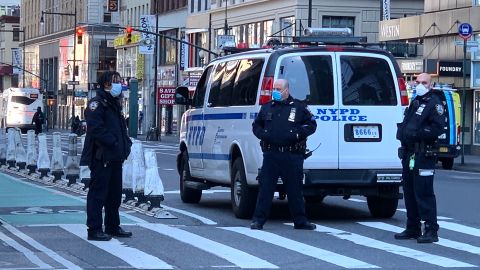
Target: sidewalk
472 164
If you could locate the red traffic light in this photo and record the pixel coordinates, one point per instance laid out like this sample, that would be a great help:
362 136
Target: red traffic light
79 31
129 29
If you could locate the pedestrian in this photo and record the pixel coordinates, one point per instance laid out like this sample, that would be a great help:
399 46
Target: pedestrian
75 124
282 126
38 119
423 122
106 147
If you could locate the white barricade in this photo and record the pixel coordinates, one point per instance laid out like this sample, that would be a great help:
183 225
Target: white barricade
138 167
127 178
3 147
20 153
11 148
84 170
56 165
43 162
153 182
72 169
32 155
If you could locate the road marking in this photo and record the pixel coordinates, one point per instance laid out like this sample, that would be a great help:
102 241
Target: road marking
302 248
203 191
438 217
398 250
459 228
442 241
134 257
30 255
239 258
357 200
192 215
50 253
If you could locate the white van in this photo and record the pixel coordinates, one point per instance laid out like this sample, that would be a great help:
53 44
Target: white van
17 107
356 94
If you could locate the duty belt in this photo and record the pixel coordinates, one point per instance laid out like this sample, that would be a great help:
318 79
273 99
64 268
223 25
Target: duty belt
295 148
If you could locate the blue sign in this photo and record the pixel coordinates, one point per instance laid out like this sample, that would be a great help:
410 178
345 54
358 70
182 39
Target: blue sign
465 30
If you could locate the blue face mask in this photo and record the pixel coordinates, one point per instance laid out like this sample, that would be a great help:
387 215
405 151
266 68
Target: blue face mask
116 89
276 95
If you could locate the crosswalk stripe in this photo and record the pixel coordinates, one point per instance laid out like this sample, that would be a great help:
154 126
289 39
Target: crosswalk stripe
237 257
302 248
68 264
134 257
442 241
459 228
398 250
438 217
30 255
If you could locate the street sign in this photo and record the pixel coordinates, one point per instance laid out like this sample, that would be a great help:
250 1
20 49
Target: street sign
465 30
73 82
225 41
112 5
470 43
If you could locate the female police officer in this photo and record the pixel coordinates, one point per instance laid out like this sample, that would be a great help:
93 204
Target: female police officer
283 126
106 146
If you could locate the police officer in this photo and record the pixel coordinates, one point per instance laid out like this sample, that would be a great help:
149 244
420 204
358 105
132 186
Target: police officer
283 126
106 146
423 122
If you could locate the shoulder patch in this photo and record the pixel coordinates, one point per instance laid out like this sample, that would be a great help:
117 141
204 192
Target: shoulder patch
93 105
439 108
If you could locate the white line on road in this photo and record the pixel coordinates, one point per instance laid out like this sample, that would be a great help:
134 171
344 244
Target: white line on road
192 215
398 250
239 258
459 228
134 257
438 217
302 248
50 253
357 200
442 241
203 191
30 255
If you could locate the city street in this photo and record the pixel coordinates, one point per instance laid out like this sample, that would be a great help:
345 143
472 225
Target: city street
43 228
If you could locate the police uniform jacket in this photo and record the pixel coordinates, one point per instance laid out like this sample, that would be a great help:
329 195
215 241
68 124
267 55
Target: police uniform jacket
284 123
106 139
423 122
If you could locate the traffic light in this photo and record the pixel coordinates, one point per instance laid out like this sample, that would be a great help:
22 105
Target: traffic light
128 34
79 35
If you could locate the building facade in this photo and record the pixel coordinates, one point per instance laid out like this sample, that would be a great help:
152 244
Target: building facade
443 55
10 53
66 64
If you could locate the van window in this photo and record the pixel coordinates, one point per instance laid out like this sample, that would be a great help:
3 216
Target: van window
216 83
310 78
226 88
367 81
22 100
199 95
247 81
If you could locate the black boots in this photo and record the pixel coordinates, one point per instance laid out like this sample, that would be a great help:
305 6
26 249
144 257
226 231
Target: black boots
99 236
429 236
305 226
408 234
119 232
255 225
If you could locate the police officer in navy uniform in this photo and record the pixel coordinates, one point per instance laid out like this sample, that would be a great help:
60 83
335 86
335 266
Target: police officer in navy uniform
106 147
423 122
283 126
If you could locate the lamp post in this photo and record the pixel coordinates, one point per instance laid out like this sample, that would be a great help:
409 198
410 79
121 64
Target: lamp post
225 27
74 15
23 39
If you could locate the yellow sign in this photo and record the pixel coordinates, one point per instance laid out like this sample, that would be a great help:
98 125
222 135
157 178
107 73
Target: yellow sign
121 41
140 66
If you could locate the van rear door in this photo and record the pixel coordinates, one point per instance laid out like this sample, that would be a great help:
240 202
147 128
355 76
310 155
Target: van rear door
313 78
369 108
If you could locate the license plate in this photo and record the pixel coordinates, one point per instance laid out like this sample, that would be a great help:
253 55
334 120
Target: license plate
365 132
443 150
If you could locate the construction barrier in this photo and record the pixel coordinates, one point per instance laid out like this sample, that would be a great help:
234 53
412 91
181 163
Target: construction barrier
56 165
20 153
72 166
153 190
32 156
43 162
3 147
11 148
84 170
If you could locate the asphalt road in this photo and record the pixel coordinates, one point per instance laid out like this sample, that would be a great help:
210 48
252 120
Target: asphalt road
44 228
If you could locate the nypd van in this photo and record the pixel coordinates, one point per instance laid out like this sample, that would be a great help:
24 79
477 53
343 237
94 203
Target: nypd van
356 94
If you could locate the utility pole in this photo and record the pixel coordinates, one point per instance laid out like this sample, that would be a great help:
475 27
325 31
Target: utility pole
157 123
310 13
74 58
225 27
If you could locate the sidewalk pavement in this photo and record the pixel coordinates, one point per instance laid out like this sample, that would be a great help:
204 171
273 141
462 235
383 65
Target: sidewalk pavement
471 164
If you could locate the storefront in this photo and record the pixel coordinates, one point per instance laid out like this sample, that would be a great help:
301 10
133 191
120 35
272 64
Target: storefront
475 84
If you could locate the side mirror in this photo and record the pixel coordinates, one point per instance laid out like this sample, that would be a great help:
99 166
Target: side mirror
181 96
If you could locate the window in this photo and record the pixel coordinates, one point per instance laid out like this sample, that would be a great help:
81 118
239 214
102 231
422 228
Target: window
338 22
246 83
310 78
199 95
22 100
199 5
367 81
16 34
287 24
216 82
192 6
107 17
226 88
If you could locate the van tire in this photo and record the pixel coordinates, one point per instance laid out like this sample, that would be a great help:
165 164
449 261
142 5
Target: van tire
244 198
447 163
188 195
382 207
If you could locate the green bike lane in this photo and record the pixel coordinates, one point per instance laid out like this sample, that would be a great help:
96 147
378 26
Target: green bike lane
23 203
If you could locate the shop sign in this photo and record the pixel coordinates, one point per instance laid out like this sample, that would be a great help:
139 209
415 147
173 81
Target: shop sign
450 69
386 9
411 66
389 30
147 41
120 40
166 95
183 55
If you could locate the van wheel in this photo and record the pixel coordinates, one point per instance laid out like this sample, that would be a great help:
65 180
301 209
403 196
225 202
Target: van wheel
244 198
382 207
188 195
447 163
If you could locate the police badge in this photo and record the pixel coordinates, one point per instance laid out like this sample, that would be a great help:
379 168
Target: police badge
440 109
93 105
